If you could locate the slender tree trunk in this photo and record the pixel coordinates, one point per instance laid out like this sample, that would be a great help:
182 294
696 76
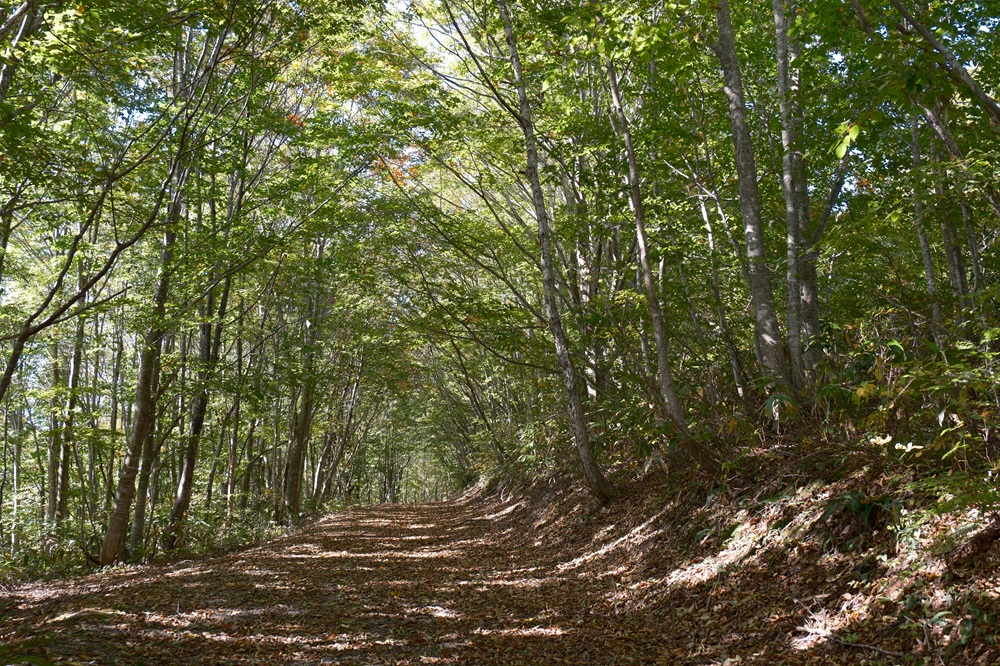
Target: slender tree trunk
69 431
739 378
793 188
210 486
6 224
208 351
116 372
940 127
147 461
698 452
55 438
3 462
15 526
808 279
233 461
199 407
767 330
972 240
918 221
952 252
145 399
599 485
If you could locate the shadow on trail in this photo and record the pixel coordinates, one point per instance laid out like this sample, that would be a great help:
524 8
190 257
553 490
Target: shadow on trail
379 585
469 582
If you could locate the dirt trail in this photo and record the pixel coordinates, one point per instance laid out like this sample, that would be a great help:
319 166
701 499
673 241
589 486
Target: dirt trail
377 585
547 579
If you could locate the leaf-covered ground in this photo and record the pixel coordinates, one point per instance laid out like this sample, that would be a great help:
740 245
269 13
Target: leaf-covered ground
678 578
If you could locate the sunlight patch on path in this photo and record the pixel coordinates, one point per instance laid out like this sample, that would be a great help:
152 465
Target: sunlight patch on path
530 631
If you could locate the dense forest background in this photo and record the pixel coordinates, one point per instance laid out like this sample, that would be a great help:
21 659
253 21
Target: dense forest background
262 259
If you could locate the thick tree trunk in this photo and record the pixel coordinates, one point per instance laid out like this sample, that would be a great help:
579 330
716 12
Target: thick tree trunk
599 485
668 392
767 330
292 490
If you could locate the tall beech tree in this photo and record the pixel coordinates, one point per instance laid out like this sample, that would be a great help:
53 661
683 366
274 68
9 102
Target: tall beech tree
768 333
600 486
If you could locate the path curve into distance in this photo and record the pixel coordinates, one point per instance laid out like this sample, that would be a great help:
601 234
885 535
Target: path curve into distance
417 584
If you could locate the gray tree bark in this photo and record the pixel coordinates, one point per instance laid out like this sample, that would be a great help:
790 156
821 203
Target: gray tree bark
793 187
142 422
767 331
599 485
668 392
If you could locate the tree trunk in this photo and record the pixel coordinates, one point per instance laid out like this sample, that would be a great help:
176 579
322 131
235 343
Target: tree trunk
940 126
599 485
149 454
145 399
292 490
208 352
232 462
668 392
210 484
918 221
952 252
739 377
69 430
15 526
793 187
32 20
55 438
767 330
972 240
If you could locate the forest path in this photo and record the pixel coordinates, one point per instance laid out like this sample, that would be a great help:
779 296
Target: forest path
391 584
